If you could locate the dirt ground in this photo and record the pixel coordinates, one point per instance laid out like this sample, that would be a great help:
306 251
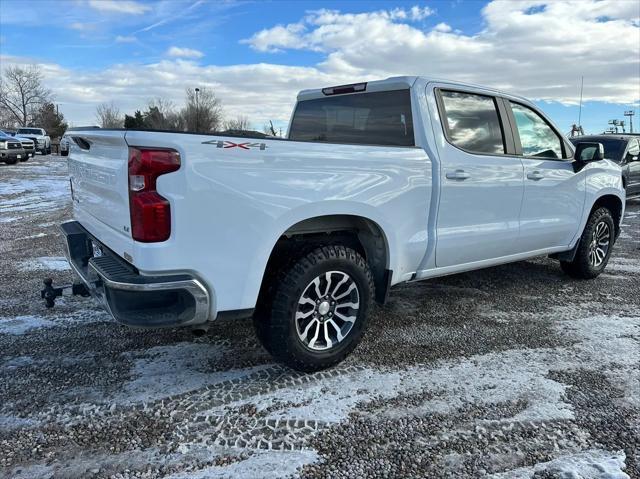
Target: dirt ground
509 372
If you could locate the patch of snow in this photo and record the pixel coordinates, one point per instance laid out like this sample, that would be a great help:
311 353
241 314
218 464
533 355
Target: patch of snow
272 464
9 423
626 265
33 194
592 464
53 263
32 471
19 325
38 235
165 371
18 362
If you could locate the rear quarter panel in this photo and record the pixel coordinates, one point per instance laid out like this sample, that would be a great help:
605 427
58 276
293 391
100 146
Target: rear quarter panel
230 205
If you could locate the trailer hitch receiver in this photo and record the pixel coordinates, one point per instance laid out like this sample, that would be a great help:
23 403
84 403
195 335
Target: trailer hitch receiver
50 293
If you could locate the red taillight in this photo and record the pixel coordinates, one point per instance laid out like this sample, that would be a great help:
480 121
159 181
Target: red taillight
150 212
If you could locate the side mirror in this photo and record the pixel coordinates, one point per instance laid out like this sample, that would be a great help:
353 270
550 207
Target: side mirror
587 152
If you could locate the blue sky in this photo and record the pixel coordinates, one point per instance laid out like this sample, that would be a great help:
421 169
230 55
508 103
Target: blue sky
257 55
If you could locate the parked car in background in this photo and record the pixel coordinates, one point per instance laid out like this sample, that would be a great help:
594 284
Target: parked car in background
39 137
64 145
11 150
376 184
29 147
623 149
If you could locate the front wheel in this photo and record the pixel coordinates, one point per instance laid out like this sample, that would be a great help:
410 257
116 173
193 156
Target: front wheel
319 310
594 248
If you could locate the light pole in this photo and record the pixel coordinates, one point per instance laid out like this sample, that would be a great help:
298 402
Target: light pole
630 114
197 111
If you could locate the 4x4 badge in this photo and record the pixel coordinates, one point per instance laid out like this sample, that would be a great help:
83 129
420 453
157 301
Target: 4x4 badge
230 144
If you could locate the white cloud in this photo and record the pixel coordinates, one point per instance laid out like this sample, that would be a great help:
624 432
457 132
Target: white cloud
184 52
535 48
442 27
126 39
322 30
82 26
119 6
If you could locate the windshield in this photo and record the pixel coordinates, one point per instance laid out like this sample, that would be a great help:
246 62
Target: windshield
29 131
613 147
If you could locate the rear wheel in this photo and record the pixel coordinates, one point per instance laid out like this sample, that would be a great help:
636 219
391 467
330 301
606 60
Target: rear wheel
65 153
48 150
594 248
11 161
319 309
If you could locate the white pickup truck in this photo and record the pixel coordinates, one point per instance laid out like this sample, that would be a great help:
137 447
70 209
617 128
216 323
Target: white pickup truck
41 140
376 184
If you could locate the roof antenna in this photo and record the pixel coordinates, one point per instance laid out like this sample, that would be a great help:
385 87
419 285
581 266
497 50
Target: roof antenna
576 130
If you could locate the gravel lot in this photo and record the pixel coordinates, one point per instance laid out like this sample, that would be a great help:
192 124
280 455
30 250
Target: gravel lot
510 372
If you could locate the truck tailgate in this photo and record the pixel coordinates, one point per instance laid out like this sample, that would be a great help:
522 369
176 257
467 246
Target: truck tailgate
98 168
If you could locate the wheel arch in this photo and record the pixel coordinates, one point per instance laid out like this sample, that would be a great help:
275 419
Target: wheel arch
358 232
614 204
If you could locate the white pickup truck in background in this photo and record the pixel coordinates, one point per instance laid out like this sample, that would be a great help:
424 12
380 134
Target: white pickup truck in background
377 184
41 140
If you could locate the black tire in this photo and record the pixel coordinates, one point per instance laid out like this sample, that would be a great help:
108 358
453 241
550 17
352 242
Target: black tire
277 329
65 153
49 151
582 267
11 161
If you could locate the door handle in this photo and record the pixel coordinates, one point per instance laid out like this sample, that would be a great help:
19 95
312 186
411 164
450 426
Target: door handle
458 175
535 175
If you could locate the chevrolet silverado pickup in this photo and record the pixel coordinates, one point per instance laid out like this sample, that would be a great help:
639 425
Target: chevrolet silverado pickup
376 184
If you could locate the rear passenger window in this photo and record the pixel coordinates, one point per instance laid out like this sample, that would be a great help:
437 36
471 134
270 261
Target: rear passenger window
377 118
536 136
472 122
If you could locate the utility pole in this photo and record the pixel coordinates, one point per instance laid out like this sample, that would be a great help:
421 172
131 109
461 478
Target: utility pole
630 114
197 111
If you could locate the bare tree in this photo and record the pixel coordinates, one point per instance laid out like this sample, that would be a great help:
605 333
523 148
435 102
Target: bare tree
239 123
203 114
22 92
108 115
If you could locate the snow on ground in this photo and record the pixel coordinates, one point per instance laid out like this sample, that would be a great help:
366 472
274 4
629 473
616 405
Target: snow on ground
261 464
165 371
81 396
625 265
593 464
53 263
22 324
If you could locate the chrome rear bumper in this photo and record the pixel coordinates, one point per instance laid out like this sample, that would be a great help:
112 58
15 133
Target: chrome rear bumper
130 297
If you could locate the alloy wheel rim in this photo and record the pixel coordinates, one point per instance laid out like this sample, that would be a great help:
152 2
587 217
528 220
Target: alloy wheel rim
327 310
599 245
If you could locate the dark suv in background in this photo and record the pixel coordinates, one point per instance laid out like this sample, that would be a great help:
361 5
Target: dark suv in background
624 150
